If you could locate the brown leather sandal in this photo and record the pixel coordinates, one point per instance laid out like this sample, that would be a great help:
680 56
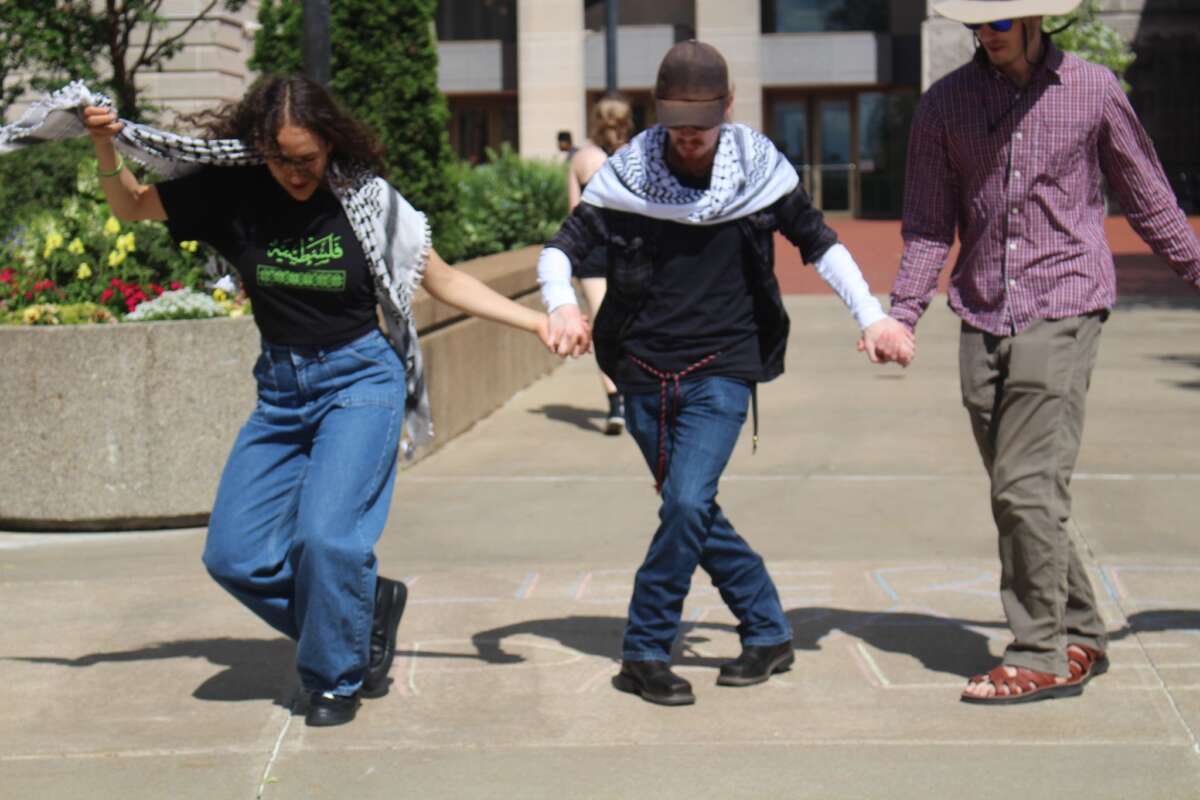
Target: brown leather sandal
1024 687
1085 663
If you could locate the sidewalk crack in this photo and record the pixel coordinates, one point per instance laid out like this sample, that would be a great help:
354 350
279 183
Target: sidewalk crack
290 711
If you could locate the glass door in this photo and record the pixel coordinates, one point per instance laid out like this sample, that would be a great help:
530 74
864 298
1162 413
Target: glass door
790 133
835 184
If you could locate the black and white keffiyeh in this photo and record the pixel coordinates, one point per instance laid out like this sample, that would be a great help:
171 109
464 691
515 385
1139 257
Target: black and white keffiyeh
395 237
748 174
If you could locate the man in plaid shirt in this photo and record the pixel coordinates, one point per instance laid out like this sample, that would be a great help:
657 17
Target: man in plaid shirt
1008 152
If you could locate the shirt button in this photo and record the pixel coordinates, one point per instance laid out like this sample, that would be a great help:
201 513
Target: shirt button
1016 211
1012 282
1017 174
1020 136
1012 245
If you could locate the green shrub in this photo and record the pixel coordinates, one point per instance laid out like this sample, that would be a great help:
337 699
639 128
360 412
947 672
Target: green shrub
38 177
507 203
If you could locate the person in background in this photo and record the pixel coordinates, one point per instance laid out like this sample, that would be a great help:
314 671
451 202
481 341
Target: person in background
610 128
565 145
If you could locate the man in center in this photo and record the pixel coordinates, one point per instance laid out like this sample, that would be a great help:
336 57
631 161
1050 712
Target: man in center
692 322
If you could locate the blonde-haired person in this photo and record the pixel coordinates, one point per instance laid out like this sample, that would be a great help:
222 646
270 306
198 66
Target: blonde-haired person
610 127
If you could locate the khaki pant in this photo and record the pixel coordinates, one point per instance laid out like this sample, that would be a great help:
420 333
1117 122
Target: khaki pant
1026 396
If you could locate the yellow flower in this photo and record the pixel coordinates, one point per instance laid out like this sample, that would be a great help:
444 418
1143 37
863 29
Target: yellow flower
53 242
112 227
236 312
84 272
126 243
219 295
190 245
75 248
31 315
116 258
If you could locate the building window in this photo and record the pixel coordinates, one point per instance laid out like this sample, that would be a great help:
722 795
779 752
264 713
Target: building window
479 123
849 147
680 14
465 20
816 16
883 122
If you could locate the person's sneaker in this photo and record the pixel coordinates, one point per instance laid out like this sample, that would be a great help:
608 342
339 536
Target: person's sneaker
756 664
326 709
616 415
390 597
654 682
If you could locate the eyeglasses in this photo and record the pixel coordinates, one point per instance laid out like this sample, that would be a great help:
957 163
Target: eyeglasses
999 25
306 165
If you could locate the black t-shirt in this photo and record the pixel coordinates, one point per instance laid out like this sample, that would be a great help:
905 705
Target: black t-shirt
300 262
699 302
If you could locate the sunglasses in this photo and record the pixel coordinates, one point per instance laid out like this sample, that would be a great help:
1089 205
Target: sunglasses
999 25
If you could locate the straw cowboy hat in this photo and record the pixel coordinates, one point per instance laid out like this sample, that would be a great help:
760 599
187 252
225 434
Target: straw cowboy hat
974 12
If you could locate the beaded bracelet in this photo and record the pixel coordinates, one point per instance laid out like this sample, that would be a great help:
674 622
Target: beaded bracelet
117 171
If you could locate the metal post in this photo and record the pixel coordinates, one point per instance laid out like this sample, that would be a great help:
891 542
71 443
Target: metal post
610 44
317 60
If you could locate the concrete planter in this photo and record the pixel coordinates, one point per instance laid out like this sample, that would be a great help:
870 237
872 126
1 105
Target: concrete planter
109 427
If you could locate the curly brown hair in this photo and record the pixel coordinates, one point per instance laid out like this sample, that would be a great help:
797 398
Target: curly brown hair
274 101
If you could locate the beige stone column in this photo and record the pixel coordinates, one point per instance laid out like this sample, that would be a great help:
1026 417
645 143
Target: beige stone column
735 28
550 88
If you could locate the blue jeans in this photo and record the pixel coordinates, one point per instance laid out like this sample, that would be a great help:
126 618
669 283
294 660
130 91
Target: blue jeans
693 530
304 497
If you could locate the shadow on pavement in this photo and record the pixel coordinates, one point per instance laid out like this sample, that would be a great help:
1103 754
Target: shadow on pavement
255 669
262 669
586 418
942 644
1187 360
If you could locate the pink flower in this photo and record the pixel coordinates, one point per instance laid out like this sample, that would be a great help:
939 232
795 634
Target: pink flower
6 274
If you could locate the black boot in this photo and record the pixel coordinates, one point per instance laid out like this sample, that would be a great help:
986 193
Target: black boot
654 682
326 709
616 415
756 664
390 597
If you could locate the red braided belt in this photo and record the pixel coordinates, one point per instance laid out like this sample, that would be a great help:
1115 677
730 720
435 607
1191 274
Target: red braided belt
664 379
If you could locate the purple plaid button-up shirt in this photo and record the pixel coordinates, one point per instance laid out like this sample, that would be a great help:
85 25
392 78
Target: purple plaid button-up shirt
1017 172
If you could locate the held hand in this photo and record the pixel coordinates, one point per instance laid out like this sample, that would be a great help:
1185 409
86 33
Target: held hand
888 340
102 123
569 333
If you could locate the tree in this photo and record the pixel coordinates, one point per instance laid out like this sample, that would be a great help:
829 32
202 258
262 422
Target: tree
109 44
48 39
1090 38
384 63
133 36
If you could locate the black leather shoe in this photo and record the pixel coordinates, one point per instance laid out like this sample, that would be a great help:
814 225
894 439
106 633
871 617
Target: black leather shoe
756 664
326 709
390 597
653 681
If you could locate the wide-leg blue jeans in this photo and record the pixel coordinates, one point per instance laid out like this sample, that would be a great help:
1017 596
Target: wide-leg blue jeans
693 530
304 497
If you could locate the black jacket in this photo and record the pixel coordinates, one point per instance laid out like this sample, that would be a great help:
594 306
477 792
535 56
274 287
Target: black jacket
632 241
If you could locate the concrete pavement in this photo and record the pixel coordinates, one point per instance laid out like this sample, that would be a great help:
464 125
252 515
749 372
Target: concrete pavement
127 673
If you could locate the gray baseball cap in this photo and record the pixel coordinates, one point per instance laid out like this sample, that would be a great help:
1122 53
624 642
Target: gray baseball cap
692 87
